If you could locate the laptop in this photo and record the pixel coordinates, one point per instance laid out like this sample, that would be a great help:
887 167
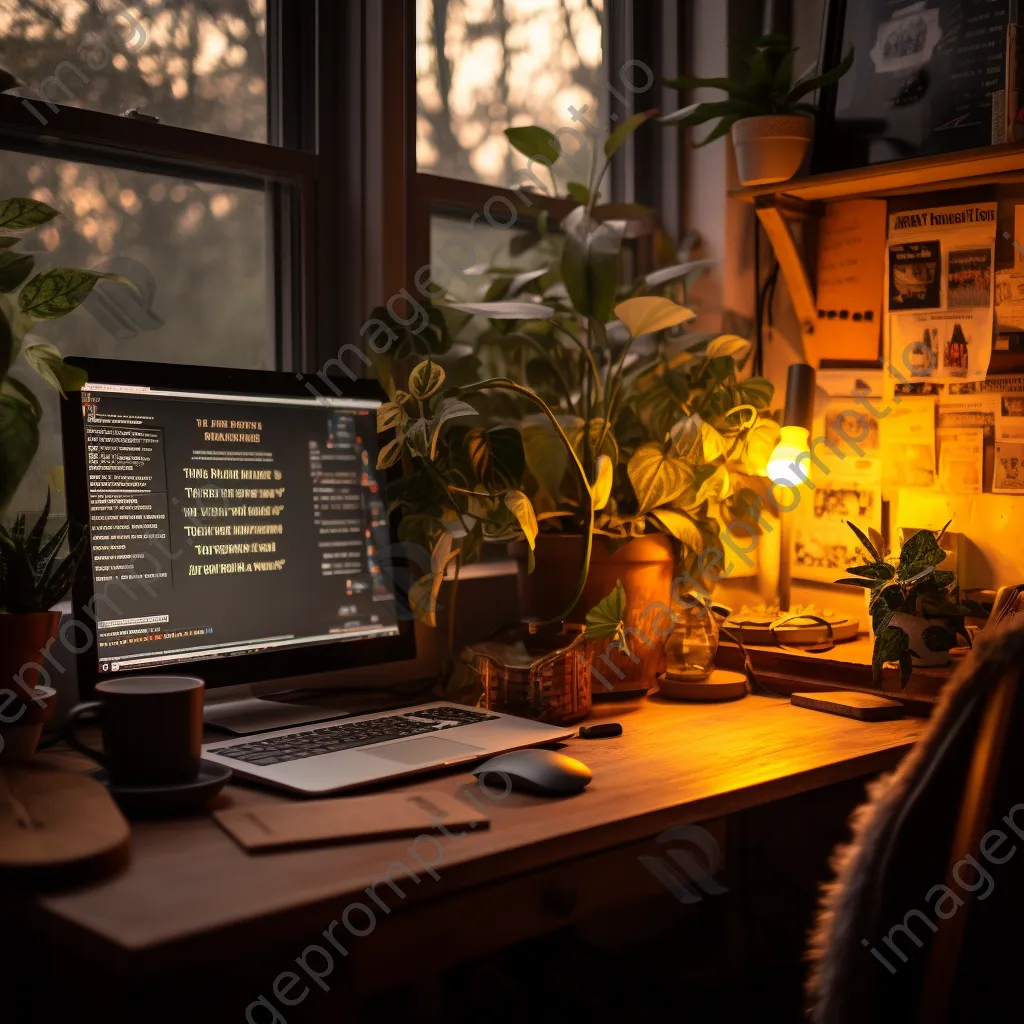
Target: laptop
332 756
239 532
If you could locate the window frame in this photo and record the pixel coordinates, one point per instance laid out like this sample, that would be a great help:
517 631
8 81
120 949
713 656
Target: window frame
295 168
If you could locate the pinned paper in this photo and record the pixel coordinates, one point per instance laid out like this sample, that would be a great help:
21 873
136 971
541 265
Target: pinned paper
851 272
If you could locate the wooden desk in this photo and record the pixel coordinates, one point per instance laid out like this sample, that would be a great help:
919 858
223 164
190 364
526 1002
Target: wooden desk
191 893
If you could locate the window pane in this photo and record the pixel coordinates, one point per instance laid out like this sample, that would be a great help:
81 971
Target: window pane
194 65
503 63
195 250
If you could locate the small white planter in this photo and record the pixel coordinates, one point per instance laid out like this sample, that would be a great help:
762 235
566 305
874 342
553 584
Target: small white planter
914 626
771 147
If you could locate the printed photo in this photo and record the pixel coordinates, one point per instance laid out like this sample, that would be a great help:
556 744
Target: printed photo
843 503
922 357
969 281
847 425
914 275
825 558
955 358
1012 405
1008 474
919 388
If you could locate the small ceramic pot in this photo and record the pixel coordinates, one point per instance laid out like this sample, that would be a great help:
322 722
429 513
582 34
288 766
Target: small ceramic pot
771 147
914 626
19 736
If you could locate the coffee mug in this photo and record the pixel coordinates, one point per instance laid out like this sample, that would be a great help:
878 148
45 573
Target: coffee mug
152 728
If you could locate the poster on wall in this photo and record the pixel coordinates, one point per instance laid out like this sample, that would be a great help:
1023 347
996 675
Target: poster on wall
931 76
939 302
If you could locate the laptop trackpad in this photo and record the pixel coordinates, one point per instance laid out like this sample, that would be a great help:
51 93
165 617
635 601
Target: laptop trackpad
423 750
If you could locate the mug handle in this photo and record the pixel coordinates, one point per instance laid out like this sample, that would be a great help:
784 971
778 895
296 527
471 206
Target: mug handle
87 708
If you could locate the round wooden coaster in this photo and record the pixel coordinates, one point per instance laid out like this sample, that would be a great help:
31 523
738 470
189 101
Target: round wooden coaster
720 685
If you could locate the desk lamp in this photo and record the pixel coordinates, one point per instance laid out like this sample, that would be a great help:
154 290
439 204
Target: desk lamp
784 463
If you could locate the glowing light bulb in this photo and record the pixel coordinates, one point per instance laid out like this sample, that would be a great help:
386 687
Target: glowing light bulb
783 467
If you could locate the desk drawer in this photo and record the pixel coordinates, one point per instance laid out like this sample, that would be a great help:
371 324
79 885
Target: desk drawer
687 866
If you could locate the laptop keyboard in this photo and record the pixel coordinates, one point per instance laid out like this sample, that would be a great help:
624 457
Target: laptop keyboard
348 735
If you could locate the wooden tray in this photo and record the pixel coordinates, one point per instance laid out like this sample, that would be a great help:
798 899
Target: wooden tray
57 827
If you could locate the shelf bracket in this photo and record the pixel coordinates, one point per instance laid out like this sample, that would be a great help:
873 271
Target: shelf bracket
772 213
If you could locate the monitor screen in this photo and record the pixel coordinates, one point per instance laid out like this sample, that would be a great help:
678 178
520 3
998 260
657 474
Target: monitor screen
225 523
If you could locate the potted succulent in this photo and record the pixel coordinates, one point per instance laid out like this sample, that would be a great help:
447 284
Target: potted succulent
916 617
771 123
33 578
574 418
25 299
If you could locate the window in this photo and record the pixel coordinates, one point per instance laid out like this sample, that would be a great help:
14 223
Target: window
192 147
574 67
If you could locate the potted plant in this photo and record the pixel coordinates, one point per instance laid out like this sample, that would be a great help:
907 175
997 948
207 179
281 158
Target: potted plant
916 617
33 577
771 123
579 423
26 299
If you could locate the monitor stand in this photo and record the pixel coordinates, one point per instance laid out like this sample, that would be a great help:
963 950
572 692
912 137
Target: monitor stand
244 715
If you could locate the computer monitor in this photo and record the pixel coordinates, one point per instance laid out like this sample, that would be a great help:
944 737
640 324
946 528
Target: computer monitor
238 526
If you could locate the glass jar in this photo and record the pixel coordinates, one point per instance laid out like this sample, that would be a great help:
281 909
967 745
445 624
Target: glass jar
534 671
693 643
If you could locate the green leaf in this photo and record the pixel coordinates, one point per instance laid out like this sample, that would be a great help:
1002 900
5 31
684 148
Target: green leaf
938 638
590 263
423 598
19 440
601 490
389 415
47 361
658 476
722 128
681 526
506 310
425 378
56 292
648 314
862 537
605 618
546 455
756 391
727 345
687 82
783 73
657 278
496 457
521 507
712 442
890 645
921 551
534 142
808 85
21 214
14 268
389 454
758 446
875 571
699 113
578 192
624 130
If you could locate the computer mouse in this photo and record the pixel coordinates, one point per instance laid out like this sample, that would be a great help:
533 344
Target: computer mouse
544 772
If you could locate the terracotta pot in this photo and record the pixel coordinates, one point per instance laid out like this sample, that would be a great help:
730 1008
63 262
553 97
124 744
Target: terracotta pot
23 639
645 565
19 738
771 147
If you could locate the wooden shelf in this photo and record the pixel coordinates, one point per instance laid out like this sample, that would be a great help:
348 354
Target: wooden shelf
927 173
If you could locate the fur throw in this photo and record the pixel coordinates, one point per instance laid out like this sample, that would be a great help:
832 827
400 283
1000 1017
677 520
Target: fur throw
902 838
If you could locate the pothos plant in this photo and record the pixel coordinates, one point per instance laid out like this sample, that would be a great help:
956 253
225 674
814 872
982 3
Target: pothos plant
569 401
912 585
26 299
